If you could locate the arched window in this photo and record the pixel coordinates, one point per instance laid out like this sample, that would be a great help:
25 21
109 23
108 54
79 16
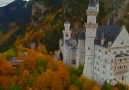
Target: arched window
120 67
67 35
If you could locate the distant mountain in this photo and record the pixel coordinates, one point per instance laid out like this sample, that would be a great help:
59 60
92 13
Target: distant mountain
13 19
15 12
5 2
48 17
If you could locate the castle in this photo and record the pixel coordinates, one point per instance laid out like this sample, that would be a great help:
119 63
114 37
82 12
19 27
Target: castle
103 50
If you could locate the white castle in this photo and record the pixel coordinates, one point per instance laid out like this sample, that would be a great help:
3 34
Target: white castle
103 50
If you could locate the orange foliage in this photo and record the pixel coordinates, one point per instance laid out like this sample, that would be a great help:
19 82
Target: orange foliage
89 85
114 88
15 79
28 34
38 35
64 74
30 61
73 87
5 82
44 27
57 82
24 76
6 68
43 82
96 87
42 49
51 64
50 18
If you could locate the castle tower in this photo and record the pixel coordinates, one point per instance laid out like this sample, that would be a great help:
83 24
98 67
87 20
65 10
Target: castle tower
90 34
66 37
80 54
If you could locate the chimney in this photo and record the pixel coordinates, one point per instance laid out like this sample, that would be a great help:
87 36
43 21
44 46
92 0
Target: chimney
102 39
109 43
110 20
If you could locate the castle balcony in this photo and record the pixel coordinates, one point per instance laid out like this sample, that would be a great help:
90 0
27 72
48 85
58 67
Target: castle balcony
89 25
119 72
121 60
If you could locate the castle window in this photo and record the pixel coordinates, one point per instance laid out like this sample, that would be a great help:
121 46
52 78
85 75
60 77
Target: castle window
105 60
120 67
103 66
105 52
121 52
73 61
114 53
97 63
95 68
122 43
67 35
88 48
127 51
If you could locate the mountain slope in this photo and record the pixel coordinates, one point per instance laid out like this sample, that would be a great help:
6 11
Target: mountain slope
13 18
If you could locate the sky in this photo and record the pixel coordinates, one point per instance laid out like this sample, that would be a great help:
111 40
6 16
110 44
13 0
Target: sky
6 2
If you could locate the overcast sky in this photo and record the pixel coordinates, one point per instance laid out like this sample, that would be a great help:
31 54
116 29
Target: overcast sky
6 2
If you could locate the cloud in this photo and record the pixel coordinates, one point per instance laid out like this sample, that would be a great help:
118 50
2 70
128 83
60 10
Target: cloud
5 2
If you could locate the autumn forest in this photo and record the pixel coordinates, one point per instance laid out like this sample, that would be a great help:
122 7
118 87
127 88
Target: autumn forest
35 49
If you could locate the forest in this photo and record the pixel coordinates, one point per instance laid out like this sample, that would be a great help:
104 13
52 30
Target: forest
38 70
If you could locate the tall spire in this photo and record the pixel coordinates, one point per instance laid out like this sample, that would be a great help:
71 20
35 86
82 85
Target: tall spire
110 20
93 3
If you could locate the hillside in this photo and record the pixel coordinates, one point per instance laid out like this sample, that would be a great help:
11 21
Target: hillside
48 18
30 41
13 20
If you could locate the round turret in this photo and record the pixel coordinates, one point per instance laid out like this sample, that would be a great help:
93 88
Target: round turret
67 25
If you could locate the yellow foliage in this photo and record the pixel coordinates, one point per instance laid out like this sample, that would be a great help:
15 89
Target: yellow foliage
23 78
96 87
73 87
42 49
89 85
43 82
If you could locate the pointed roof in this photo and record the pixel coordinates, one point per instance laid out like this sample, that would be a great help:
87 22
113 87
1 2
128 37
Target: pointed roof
110 32
93 3
81 35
